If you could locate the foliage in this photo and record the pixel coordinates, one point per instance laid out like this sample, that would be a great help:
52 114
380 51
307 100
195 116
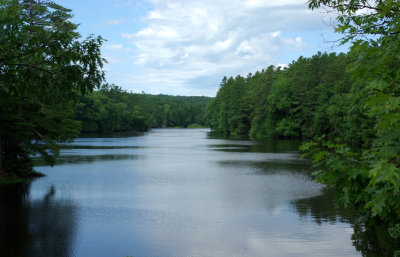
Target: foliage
363 20
337 165
394 233
373 240
345 102
44 66
112 109
14 179
311 97
375 37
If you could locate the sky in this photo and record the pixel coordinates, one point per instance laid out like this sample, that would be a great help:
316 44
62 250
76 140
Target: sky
186 47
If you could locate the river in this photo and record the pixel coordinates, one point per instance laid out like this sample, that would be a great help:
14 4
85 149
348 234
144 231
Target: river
174 192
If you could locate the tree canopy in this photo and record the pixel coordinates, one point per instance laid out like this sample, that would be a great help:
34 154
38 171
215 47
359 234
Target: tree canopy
312 97
112 109
44 67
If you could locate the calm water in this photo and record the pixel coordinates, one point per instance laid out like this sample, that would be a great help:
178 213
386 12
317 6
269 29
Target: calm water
173 192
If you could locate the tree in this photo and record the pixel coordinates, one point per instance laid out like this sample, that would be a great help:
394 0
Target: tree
44 67
370 179
293 102
367 21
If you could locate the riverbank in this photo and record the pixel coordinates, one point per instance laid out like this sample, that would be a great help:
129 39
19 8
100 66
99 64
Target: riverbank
11 178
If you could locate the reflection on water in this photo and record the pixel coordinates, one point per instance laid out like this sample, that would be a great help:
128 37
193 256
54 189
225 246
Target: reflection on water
270 146
322 210
40 227
175 192
76 159
374 241
371 240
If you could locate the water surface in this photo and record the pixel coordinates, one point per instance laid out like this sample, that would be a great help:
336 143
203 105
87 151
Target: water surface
174 192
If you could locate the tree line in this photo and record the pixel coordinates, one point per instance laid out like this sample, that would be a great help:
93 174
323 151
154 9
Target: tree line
112 109
312 97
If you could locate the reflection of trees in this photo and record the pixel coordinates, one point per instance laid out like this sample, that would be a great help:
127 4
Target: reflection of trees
371 240
44 227
76 159
275 146
14 239
321 208
270 146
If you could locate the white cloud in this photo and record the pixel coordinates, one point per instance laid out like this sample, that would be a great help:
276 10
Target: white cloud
113 22
127 35
296 43
269 3
114 47
183 42
112 60
282 65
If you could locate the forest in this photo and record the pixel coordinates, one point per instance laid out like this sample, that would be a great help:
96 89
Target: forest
312 97
345 107
112 109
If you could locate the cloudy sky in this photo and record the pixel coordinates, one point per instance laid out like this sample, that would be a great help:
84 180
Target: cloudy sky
186 47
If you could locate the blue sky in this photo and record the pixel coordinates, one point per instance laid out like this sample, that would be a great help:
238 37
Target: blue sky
186 47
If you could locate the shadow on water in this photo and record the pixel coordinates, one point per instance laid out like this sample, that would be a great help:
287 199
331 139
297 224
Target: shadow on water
321 209
100 147
45 227
216 135
270 167
270 146
78 159
374 240
112 135
371 240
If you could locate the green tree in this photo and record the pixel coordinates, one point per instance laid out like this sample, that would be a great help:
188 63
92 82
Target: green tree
372 178
259 89
44 67
293 102
112 109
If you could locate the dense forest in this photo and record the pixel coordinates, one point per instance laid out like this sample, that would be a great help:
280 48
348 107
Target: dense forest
112 109
347 106
312 97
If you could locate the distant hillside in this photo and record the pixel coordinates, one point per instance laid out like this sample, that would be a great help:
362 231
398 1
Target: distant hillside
112 109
